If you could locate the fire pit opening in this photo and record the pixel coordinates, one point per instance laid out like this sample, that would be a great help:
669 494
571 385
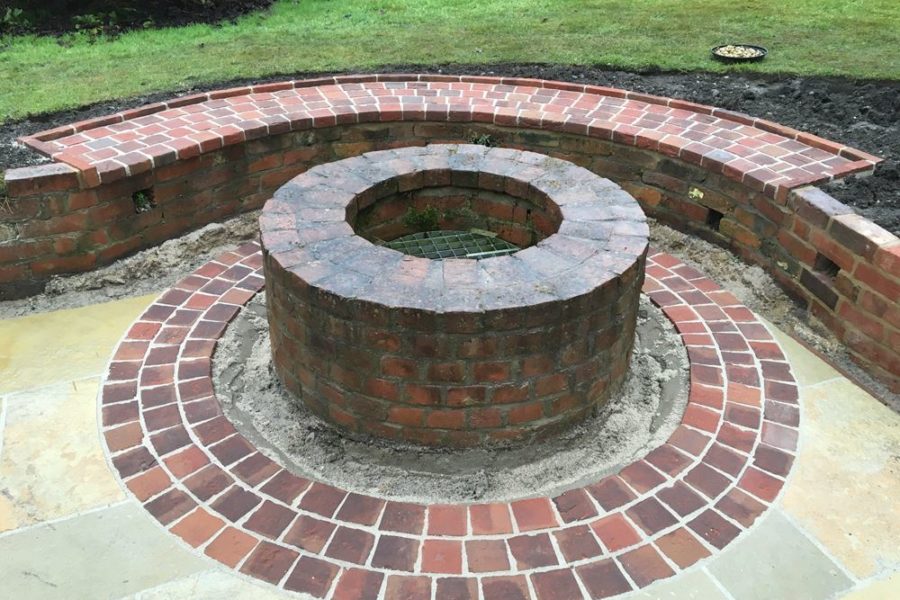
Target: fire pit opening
443 214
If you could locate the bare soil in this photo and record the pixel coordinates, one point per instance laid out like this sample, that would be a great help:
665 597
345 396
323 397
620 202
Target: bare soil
861 113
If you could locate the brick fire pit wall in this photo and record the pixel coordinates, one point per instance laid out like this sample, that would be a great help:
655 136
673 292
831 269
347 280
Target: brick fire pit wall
455 352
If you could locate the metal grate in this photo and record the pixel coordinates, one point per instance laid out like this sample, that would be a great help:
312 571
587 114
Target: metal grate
452 244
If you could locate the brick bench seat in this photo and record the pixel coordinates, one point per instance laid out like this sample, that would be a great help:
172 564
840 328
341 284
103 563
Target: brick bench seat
764 155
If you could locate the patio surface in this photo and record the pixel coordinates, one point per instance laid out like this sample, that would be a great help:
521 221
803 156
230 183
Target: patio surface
69 530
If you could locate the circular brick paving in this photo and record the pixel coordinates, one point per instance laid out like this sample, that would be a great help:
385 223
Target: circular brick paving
689 498
453 352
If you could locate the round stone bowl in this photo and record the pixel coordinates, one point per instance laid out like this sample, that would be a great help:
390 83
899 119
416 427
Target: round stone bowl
454 352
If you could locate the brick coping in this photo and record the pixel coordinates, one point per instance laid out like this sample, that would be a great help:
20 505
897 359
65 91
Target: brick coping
306 229
169 442
763 155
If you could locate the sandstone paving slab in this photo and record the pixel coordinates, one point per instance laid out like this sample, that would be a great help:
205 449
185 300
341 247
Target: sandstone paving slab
776 560
52 464
215 584
691 585
42 349
846 481
808 368
881 589
98 555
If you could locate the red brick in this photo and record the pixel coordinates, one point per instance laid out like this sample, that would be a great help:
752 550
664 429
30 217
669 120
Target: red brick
611 493
560 583
309 533
760 484
682 547
575 505
197 527
447 520
532 551
400 587
740 507
270 519
311 576
707 481
779 436
485 556
505 588
615 532
701 418
231 546
148 484
457 588
442 556
170 506
358 584
736 437
285 486
403 517
645 565
577 543
186 461
255 469
650 515
682 499
714 529
208 482
668 459
490 518
350 545
322 499
641 476
360 509
396 553
124 437
534 513
603 579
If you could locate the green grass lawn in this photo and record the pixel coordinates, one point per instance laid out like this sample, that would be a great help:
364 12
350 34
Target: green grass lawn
859 38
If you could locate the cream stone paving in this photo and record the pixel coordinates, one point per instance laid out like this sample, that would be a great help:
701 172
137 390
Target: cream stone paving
60 346
881 589
52 463
214 584
99 555
808 368
776 560
695 584
845 484
842 493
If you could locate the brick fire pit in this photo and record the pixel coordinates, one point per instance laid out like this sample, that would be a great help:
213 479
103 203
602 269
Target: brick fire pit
454 352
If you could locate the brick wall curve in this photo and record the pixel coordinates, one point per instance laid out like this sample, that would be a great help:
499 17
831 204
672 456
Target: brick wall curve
742 182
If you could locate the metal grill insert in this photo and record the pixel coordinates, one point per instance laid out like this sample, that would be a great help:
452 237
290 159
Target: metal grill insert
452 244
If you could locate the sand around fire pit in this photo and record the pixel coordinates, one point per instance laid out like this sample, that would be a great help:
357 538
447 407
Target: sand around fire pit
638 419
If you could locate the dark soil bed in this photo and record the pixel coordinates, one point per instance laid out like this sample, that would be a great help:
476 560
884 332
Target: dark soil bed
862 114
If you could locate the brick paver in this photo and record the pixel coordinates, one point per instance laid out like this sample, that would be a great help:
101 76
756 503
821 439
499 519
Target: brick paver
682 503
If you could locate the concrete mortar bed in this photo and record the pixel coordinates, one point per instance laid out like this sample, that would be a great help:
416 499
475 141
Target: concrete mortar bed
685 500
641 417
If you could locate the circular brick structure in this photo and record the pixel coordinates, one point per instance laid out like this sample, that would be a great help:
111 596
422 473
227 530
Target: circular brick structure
452 352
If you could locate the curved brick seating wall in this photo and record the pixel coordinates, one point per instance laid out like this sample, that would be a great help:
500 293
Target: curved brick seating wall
742 182
453 352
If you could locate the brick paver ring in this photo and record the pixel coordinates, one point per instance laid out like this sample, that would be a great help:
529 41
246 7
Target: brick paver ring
453 352
178 455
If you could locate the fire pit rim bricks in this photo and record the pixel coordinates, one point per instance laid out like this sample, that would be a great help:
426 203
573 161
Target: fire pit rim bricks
453 352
